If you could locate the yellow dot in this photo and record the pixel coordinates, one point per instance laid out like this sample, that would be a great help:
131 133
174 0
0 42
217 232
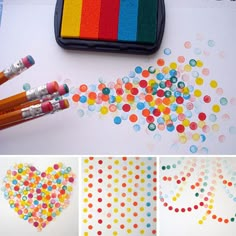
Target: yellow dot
142 189
116 180
131 163
199 63
216 108
213 84
152 82
85 180
165 69
128 209
129 220
174 199
142 181
143 172
183 139
86 234
130 190
116 190
152 103
104 110
119 99
201 124
179 110
85 210
85 221
141 209
196 137
142 231
187 68
142 199
215 127
200 222
161 107
129 199
115 233
197 93
130 172
211 200
173 65
116 210
86 161
204 218
142 220
129 231
86 170
177 195
130 181
90 101
117 172
85 200
199 81
186 122
115 199
116 162
166 117
85 190
116 221
210 206
142 163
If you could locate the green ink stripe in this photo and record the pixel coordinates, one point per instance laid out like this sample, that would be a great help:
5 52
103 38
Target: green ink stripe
147 21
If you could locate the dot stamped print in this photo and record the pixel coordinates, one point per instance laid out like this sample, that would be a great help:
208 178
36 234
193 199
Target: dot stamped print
177 95
119 196
202 184
38 197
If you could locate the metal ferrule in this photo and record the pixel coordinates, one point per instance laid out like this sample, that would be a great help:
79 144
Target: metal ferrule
56 106
14 69
37 93
32 111
51 96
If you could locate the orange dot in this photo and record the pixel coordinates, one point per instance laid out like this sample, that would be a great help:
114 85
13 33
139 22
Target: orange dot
226 221
128 86
145 73
92 95
166 111
158 101
130 97
90 227
90 216
122 215
225 182
220 219
76 97
133 118
148 98
83 88
109 226
90 205
166 101
135 214
124 158
149 89
122 226
230 184
145 112
160 62
105 97
101 86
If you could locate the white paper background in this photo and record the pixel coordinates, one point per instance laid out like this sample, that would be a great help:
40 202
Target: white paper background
28 29
67 223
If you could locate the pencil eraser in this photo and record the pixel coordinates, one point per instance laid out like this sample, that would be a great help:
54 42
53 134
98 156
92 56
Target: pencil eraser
52 87
64 104
28 61
46 107
63 89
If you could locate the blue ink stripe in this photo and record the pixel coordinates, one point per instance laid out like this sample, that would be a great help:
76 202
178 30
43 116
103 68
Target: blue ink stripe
1 7
128 18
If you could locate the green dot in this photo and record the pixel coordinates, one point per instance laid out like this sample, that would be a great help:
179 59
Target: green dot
163 167
205 184
152 126
192 63
174 166
151 69
232 219
173 79
202 190
168 94
162 84
197 194
20 170
106 91
181 84
223 101
168 167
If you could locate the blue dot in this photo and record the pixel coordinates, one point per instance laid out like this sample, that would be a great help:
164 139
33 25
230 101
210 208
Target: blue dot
138 69
36 202
160 76
140 105
131 74
170 127
149 176
125 79
167 51
14 181
26 86
149 185
149 194
148 204
148 225
149 214
193 149
83 99
117 120
149 168
160 120
136 127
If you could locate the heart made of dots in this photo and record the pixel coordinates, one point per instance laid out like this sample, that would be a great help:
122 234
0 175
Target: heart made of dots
38 197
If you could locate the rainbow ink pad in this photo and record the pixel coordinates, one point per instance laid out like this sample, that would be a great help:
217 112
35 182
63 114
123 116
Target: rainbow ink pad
131 26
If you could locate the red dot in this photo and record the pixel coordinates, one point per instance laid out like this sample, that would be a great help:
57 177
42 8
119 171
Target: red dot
99 199
99 210
189 209
176 210
183 210
150 119
134 91
180 128
56 166
143 83
135 226
100 162
49 218
220 219
119 91
195 207
99 190
214 217
154 232
168 83
165 204
202 116
100 180
207 99
170 208
100 221
156 112
160 93
122 226
16 188
179 100
99 232
108 226
109 205
178 181
100 171
193 125
126 107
